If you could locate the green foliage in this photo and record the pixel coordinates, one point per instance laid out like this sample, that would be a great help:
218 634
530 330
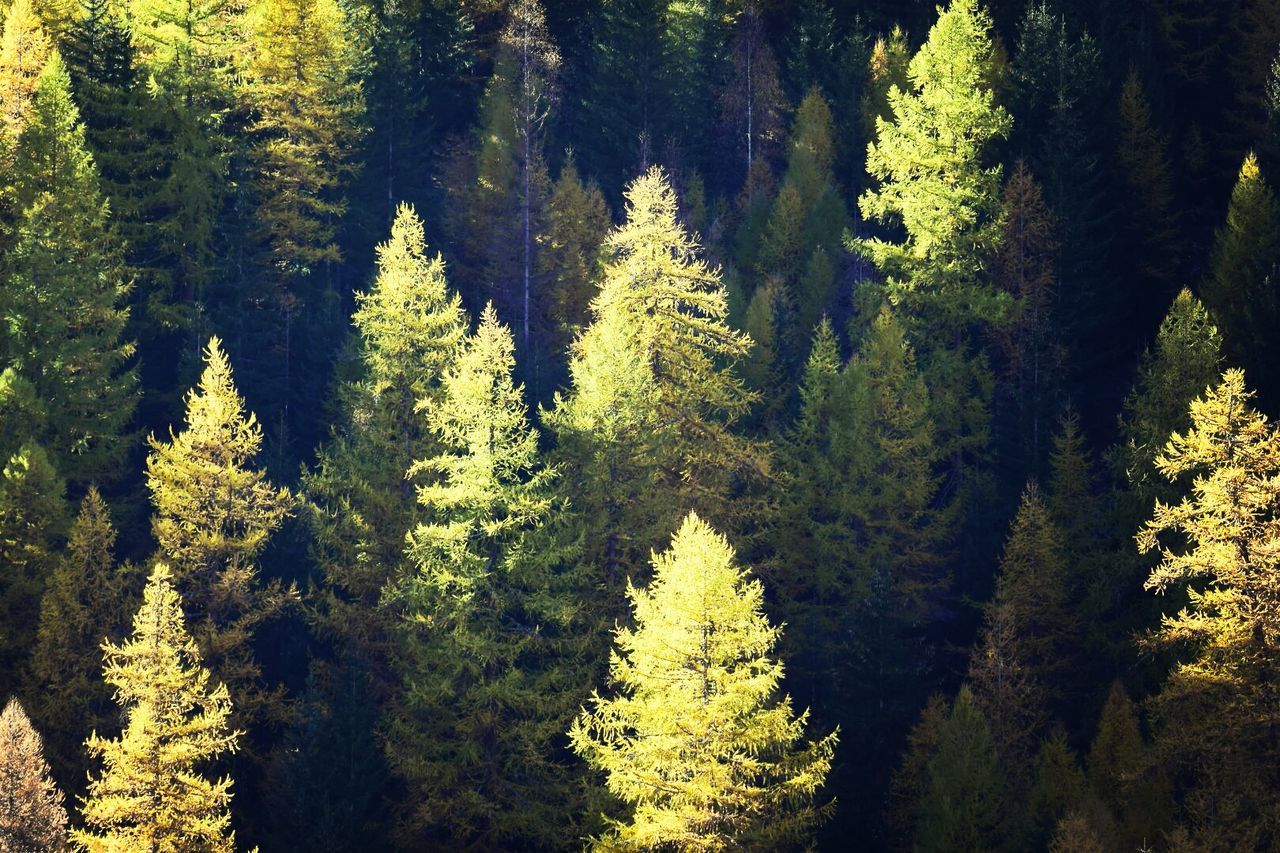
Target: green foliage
213 516
32 816
24 52
645 429
408 327
89 598
33 516
577 220
493 628
1240 289
151 793
965 803
1215 712
698 743
61 304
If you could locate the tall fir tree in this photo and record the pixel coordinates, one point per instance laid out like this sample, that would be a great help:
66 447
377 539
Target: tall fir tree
305 107
646 427
491 650
1242 282
33 518
752 103
89 598
929 165
698 743
361 502
151 792
62 303
213 515
32 815
577 221
1215 715
24 51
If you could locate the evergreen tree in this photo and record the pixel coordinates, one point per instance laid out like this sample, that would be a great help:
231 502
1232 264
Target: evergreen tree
1025 269
64 289
1150 236
1056 74
928 165
887 70
1007 692
213 516
964 806
1241 287
698 743
299 86
32 519
151 793
1034 593
24 52
1125 776
490 643
408 326
1059 789
88 598
1216 717
32 816
1185 360
577 220
645 429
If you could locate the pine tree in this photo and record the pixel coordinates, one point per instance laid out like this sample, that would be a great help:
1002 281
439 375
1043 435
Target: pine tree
887 70
213 516
645 429
928 165
24 52
408 326
1185 360
32 816
1125 776
490 643
65 288
32 520
1059 789
1025 269
1151 237
88 598
577 220
151 793
1216 711
1241 288
964 805
698 743
300 89
762 368
1007 692
1034 593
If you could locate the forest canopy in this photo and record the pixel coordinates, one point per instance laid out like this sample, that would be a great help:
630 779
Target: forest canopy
639 425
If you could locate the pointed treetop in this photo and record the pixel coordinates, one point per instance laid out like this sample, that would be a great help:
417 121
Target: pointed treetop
32 816
24 51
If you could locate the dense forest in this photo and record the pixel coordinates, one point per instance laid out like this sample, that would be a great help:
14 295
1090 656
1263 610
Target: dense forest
639 424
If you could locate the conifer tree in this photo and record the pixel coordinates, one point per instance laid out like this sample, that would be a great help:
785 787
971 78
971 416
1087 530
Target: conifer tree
408 326
33 818
213 516
645 428
964 805
1025 269
1151 228
1059 789
1034 593
1241 288
698 742
1125 775
151 793
762 368
1007 692
577 220
32 520
1185 360
1216 713
24 51
490 643
928 163
87 599
299 86
887 70
64 290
